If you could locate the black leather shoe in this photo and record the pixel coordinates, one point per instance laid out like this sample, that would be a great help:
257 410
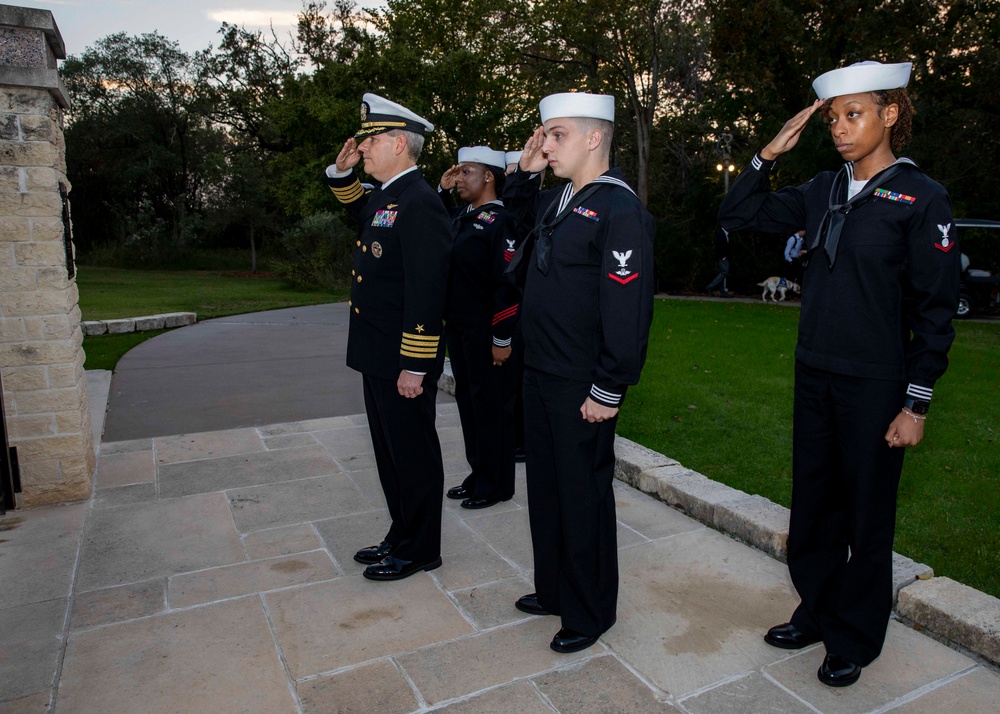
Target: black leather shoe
460 492
395 569
838 672
567 640
788 637
519 455
481 502
373 553
529 604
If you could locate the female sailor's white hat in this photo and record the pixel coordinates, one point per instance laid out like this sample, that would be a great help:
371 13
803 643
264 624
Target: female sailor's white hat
578 105
512 157
482 155
866 76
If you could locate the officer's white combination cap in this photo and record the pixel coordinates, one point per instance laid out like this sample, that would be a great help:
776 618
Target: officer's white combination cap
481 155
379 115
867 76
512 157
578 105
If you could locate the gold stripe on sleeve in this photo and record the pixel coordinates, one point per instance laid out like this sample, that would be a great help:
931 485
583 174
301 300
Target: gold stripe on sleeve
349 194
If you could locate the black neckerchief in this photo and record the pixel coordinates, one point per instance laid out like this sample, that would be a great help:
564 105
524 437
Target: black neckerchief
836 213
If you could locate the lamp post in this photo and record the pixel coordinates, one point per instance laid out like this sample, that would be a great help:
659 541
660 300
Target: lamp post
725 167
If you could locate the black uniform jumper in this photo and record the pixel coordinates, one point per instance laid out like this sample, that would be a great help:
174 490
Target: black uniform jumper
587 307
398 290
485 242
875 327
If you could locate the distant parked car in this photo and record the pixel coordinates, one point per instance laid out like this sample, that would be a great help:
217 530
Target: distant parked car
980 288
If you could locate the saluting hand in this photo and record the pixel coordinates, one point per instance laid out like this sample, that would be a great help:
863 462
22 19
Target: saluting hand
349 155
788 137
448 177
533 158
594 412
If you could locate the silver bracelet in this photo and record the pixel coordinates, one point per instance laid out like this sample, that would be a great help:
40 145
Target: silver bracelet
916 417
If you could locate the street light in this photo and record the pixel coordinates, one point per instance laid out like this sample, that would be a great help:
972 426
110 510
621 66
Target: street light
725 168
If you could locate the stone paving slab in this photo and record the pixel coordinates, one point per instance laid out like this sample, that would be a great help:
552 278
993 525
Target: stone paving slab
30 647
219 658
351 692
37 551
974 692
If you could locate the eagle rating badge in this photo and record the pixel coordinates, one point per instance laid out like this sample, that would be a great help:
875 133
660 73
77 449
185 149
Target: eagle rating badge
623 275
945 243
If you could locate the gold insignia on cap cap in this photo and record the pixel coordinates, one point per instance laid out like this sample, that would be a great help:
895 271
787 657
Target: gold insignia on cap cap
364 111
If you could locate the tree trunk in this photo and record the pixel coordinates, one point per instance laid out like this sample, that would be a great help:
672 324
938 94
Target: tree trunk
253 254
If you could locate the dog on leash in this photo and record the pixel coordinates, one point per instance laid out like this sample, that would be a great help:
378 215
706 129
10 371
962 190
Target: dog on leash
777 286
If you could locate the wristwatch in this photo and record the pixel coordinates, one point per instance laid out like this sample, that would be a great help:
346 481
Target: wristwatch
917 406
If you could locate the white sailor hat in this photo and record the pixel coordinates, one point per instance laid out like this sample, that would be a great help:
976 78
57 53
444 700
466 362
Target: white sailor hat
512 157
578 105
379 115
481 155
861 77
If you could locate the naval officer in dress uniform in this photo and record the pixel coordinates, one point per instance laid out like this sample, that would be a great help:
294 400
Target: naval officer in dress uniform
878 295
480 324
398 288
586 311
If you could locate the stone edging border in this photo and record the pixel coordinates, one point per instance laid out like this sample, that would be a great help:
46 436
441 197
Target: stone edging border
137 324
954 612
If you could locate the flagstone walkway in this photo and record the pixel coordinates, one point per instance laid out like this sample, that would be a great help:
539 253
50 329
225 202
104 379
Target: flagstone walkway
212 572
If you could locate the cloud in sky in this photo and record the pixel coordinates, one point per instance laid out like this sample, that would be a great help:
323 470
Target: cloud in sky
254 17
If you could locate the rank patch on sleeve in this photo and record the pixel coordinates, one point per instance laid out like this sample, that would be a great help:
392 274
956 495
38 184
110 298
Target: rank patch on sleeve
384 219
623 275
487 216
586 213
946 243
509 251
893 196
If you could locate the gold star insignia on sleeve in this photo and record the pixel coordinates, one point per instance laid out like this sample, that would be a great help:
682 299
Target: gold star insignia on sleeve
420 328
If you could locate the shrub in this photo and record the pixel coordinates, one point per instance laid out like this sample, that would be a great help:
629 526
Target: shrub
316 252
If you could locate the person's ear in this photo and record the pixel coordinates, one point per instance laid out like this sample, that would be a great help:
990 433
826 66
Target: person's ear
594 140
890 114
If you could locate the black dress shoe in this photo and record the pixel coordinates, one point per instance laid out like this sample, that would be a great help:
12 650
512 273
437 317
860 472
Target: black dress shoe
567 640
838 672
373 553
481 502
395 569
529 604
460 492
789 637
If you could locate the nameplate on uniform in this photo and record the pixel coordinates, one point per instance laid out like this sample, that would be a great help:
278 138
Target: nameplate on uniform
586 213
384 219
893 196
487 216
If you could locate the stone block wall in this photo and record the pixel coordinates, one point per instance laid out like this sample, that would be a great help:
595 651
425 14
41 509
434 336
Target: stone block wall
41 353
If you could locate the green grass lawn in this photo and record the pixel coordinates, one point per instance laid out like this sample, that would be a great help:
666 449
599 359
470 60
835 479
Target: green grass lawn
107 293
716 394
114 292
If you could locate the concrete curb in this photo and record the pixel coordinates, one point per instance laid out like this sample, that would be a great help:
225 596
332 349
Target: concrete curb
955 612
137 324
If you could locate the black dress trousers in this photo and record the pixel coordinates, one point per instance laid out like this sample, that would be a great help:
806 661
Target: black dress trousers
571 504
408 456
843 516
486 397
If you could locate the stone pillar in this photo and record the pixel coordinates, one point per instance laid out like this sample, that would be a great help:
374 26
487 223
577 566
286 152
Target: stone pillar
41 352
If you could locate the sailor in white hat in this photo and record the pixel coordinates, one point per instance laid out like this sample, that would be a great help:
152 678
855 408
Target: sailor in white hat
479 329
586 310
398 285
879 291
511 158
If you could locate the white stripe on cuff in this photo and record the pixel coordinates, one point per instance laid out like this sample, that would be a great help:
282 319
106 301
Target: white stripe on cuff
604 396
917 392
756 161
501 343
